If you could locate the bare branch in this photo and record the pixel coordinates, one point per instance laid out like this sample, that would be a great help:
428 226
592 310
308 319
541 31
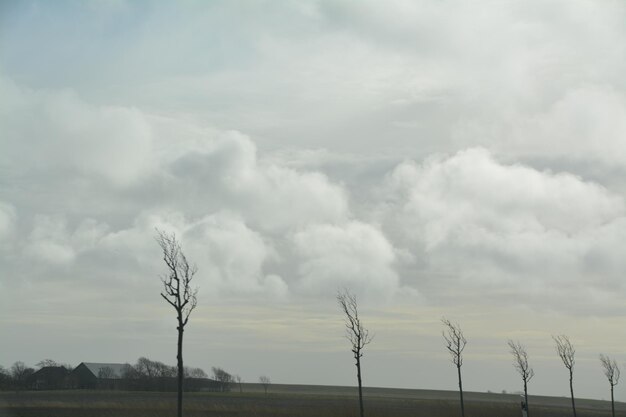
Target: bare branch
565 350
455 341
177 290
520 360
611 369
356 333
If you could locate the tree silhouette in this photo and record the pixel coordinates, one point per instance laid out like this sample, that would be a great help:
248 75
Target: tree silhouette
178 293
47 362
265 381
355 333
224 379
612 373
520 361
455 343
20 372
566 352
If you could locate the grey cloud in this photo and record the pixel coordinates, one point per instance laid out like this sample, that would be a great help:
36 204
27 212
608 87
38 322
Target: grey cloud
271 195
485 223
8 219
57 132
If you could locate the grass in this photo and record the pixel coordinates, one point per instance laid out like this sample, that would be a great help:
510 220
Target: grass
288 401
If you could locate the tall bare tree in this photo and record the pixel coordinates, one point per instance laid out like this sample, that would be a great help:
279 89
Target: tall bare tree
356 333
455 343
566 352
178 293
520 362
19 373
612 373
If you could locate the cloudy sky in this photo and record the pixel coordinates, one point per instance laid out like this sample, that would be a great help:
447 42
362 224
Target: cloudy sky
437 157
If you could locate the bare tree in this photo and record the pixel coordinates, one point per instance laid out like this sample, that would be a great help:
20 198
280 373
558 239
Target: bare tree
177 291
197 373
239 381
5 377
358 335
224 379
265 381
612 373
566 352
146 367
455 343
47 362
19 373
163 370
520 361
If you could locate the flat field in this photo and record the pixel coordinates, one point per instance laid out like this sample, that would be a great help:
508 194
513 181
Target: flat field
290 401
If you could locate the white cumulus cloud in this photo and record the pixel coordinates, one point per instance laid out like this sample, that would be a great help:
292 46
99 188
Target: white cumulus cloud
355 255
476 219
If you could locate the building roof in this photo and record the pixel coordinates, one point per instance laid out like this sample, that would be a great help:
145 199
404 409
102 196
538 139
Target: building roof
50 372
117 368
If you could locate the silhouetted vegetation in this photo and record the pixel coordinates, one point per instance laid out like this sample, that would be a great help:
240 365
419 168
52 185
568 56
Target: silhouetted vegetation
145 375
455 343
612 373
178 293
357 335
566 352
520 361
265 382
223 380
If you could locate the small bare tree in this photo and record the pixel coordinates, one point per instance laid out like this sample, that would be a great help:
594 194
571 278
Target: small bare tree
566 351
265 381
520 361
612 373
178 293
455 343
47 362
357 335
239 381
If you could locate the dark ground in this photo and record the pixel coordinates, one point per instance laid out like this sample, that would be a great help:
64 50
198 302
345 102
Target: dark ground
290 401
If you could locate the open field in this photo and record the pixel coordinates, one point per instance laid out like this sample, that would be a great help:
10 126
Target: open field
289 401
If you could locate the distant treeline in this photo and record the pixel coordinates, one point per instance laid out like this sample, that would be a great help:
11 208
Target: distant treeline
144 375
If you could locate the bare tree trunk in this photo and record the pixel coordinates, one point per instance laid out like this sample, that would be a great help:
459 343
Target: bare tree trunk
358 376
461 391
181 369
612 402
571 390
526 397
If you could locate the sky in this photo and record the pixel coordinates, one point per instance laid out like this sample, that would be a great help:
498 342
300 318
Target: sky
439 158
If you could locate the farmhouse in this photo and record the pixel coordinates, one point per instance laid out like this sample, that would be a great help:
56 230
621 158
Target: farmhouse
91 375
47 378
